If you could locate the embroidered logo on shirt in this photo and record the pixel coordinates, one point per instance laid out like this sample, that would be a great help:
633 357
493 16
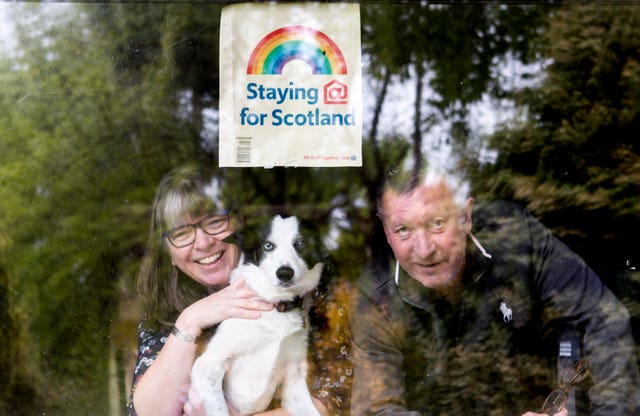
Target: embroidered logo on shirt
507 313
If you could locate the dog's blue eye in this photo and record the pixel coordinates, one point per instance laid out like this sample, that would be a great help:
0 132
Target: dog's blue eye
268 246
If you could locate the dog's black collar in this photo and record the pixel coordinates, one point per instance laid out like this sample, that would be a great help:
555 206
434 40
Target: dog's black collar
288 305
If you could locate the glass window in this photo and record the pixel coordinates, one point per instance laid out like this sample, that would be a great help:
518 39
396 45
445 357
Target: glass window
534 104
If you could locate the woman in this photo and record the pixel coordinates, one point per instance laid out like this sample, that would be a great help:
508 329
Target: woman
184 288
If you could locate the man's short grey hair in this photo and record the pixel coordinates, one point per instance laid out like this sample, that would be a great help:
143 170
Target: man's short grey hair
405 181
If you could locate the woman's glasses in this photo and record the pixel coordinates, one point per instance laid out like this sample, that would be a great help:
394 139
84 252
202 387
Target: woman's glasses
571 376
185 235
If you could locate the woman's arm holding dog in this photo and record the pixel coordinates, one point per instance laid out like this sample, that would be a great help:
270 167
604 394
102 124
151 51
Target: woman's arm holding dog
164 386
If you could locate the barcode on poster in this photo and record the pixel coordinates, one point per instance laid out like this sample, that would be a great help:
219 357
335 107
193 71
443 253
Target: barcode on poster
243 149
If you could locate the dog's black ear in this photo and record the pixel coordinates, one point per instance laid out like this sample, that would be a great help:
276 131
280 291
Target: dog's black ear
314 250
251 239
236 237
248 243
255 255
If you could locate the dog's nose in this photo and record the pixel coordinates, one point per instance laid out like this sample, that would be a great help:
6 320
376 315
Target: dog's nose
284 273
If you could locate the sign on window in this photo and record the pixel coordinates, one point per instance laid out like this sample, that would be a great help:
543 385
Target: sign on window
290 85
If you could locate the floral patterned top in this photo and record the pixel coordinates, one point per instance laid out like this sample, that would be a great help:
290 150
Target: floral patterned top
150 343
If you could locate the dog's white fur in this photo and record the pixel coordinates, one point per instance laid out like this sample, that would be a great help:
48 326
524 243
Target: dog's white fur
247 360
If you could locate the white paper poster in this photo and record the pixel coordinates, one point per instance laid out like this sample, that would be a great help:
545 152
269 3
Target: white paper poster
290 85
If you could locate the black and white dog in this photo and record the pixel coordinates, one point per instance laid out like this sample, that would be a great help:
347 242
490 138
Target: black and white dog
247 360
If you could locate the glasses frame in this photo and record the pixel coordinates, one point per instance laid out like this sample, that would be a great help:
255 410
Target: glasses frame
197 225
557 399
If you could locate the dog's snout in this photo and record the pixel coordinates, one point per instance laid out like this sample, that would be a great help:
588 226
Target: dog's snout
284 273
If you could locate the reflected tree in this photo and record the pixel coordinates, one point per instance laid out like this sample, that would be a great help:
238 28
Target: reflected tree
573 160
84 143
100 100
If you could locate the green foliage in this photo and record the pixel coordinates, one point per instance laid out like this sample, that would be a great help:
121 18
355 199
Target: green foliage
451 52
101 100
574 160
460 45
86 140
20 382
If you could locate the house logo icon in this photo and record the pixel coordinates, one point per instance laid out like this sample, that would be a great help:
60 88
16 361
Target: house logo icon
336 92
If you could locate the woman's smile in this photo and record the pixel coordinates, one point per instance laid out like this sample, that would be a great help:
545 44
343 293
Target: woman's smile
210 259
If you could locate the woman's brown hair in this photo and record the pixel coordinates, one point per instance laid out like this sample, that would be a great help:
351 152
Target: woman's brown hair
164 291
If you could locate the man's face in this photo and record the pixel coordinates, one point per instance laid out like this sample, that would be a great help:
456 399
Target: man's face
427 233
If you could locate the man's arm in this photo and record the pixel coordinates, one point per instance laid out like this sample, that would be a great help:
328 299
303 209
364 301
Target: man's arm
573 293
379 377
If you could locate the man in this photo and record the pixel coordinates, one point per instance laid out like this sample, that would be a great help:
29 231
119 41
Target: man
468 322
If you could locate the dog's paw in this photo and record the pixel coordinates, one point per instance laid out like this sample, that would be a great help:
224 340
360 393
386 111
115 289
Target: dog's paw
207 382
214 405
204 404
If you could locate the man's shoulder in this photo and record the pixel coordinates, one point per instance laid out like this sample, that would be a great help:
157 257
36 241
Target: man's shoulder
503 220
376 282
493 213
376 288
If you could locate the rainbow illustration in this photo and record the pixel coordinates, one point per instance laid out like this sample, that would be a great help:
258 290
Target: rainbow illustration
289 43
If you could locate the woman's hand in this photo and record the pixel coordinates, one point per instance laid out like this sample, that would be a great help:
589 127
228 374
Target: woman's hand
320 406
237 300
562 412
193 406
